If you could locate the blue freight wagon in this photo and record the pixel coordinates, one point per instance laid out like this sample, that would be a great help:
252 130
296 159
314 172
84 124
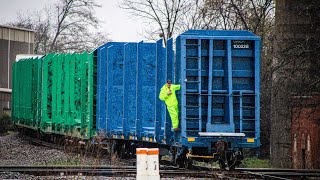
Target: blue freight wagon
129 79
219 99
219 73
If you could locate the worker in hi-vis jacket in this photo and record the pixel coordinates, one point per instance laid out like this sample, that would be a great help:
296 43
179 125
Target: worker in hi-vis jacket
168 95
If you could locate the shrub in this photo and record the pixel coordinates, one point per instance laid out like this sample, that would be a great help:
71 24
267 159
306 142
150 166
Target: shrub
5 124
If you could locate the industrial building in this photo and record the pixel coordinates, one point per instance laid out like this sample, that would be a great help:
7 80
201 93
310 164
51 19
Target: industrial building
13 41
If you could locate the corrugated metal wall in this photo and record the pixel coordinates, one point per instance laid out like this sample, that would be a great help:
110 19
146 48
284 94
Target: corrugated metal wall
13 41
129 78
55 94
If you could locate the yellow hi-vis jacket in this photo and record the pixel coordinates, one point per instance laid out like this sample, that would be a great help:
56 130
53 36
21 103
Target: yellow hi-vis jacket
171 102
171 99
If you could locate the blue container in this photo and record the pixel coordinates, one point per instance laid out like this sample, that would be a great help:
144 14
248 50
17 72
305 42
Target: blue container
129 78
219 73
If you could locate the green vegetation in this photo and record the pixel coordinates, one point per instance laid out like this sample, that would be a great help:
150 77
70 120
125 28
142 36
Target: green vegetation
214 165
254 162
5 124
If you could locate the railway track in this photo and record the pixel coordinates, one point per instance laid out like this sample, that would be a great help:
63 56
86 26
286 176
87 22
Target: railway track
166 170
128 171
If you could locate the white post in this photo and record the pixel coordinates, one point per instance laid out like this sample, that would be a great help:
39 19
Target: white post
153 164
142 164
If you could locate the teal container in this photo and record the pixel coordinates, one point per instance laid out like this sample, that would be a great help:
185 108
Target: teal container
54 94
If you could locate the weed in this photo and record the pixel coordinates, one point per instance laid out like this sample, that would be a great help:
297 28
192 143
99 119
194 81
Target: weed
254 162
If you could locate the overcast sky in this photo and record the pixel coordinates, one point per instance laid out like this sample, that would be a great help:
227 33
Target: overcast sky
115 21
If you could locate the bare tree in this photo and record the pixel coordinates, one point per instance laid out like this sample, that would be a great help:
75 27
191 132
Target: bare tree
73 20
163 14
67 26
191 17
231 14
38 21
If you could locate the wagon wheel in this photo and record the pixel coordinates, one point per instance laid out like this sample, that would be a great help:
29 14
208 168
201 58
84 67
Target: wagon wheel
188 163
222 165
120 149
228 161
231 165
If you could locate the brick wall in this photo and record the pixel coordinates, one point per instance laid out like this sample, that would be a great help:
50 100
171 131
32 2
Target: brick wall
305 133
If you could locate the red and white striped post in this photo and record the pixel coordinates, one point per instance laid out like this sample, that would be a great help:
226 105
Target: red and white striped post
153 164
142 163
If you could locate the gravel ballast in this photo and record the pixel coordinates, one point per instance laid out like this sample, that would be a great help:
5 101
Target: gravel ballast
15 149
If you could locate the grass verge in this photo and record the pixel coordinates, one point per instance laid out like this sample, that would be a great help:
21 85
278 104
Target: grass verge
254 162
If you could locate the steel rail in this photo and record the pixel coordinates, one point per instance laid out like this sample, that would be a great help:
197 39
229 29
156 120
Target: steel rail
121 171
96 170
277 170
276 173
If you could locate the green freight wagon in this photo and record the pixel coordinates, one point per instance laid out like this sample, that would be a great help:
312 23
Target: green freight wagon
55 94
26 92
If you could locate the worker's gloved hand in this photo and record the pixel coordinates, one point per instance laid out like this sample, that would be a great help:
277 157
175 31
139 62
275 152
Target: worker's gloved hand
169 92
